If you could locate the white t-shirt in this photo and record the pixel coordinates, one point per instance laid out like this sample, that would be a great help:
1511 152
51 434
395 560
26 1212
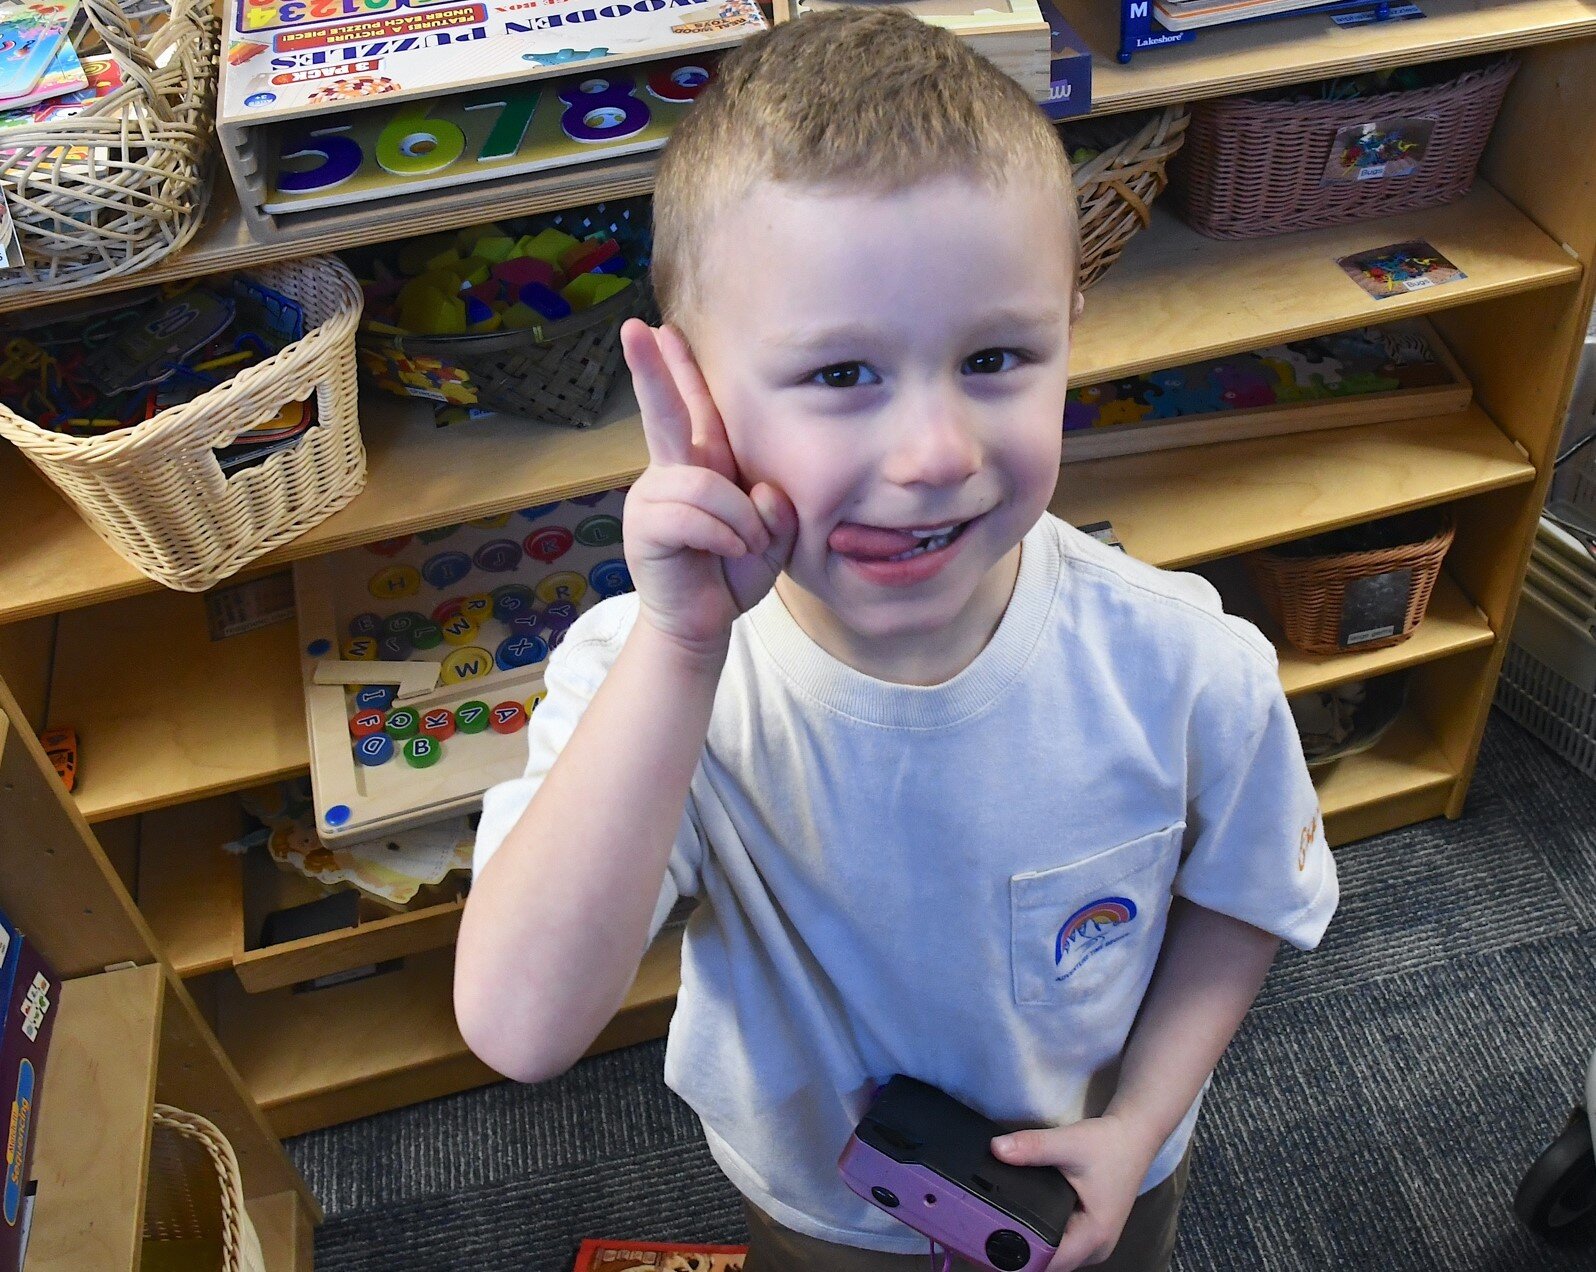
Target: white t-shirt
966 882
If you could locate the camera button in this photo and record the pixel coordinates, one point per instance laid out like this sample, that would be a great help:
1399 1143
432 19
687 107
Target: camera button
1008 1250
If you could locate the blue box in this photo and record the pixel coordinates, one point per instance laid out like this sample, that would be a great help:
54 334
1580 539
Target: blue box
29 989
1071 71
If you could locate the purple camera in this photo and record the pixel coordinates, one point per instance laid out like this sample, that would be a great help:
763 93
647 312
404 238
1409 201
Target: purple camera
925 1159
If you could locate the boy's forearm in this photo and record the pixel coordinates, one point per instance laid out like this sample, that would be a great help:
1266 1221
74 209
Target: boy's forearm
1208 974
558 919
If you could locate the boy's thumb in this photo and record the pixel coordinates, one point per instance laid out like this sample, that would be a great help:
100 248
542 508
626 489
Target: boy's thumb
781 521
1045 1147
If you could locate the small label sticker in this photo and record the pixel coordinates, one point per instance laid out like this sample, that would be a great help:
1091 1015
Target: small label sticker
243 607
1378 150
1375 607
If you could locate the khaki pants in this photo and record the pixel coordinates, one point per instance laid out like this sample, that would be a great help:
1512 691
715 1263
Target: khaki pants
1144 1246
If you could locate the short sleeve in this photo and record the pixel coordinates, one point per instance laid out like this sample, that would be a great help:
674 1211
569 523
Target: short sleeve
574 674
1255 848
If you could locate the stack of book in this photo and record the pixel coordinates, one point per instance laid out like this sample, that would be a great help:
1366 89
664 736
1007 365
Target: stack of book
1187 15
41 76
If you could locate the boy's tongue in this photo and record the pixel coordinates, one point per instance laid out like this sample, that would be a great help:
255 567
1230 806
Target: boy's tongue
870 542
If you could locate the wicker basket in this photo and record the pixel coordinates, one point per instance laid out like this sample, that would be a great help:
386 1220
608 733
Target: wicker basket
1306 594
1254 167
194 1216
1114 189
119 185
156 493
557 374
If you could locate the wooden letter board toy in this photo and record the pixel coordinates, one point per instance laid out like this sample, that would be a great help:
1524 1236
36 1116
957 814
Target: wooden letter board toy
349 104
1013 34
423 656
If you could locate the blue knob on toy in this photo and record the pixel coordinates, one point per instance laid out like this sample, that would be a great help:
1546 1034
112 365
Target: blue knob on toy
374 750
520 650
610 578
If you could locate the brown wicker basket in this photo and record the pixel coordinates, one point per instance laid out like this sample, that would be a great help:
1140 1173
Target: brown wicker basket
1115 188
194 1214
156 492
119 185
1255 167
1306 595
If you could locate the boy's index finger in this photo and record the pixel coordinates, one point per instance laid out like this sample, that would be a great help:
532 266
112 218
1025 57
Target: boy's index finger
711 449
667 421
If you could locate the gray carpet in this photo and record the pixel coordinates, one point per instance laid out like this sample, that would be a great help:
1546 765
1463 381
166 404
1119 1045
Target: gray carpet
1376 1110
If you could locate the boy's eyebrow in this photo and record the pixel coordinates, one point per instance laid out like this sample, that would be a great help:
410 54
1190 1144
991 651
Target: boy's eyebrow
1005 319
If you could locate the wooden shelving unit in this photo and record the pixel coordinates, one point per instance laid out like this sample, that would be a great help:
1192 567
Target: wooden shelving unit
127 1035
1211 298
197 719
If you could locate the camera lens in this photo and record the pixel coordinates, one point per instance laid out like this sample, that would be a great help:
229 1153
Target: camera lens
1008 1250
885 1196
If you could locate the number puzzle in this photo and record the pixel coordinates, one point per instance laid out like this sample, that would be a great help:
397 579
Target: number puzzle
328 103
423 656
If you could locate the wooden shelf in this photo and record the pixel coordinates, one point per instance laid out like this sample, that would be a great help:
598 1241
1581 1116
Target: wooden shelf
1174 297
165 715
1247 57
94 1122
190 891
1175 508
1403 778
1452 624
203 718
1223 61
314 1059
418 475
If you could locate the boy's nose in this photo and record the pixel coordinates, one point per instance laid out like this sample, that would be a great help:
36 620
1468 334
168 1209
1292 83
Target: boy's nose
935 446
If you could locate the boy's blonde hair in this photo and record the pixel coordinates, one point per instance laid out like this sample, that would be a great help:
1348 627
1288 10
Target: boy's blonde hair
864 98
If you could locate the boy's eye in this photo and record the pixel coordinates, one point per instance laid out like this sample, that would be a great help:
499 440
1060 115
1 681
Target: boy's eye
845 375
990 361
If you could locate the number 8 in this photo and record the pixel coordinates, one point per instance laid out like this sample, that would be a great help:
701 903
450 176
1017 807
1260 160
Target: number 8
599 110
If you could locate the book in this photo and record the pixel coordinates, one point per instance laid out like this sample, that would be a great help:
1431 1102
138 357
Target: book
102 76
31 32
284 64
624 1256
1186 15
65 76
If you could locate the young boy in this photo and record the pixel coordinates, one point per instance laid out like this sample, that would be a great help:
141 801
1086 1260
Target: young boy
963 793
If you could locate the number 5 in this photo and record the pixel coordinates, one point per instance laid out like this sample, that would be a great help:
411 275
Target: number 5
340 157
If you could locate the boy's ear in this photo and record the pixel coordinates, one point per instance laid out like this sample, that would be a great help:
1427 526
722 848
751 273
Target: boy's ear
1077 303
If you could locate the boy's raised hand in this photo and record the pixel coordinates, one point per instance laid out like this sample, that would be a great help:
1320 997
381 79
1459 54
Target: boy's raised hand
700 549
1104 1165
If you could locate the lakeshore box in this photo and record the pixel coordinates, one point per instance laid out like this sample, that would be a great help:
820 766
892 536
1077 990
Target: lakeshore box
29 988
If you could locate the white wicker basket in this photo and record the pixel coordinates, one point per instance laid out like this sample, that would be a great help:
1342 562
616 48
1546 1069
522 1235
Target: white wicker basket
194 1203
125 181
156 493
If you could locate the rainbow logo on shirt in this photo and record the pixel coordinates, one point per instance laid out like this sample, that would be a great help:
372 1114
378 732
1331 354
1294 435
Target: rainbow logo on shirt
1090 931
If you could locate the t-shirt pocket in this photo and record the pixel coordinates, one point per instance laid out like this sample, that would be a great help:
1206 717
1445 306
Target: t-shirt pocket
1088 929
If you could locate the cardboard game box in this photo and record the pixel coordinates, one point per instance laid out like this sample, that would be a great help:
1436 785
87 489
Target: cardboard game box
1070 69
29 989
656 1256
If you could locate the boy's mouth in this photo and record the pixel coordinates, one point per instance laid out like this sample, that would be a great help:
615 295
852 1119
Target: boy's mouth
885 543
